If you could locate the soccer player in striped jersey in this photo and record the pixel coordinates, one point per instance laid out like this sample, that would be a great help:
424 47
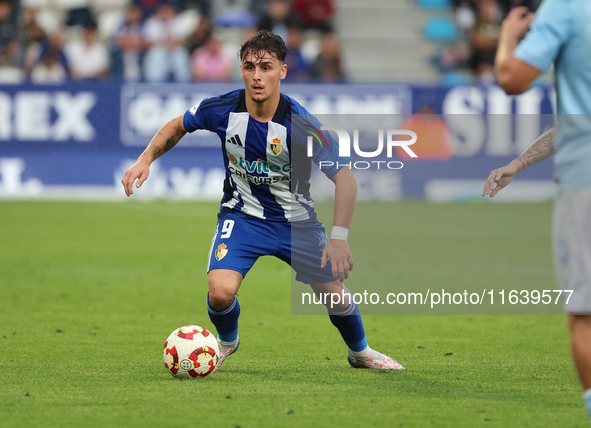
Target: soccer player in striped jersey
266 208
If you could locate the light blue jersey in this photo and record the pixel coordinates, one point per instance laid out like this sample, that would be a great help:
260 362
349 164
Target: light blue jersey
561 34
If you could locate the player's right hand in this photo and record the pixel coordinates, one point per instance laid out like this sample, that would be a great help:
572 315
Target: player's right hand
501 176
341 260
517 22
140 171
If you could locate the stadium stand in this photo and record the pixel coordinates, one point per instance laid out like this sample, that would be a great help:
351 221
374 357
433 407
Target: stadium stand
382 41
451 42
441 30
31 25
434 5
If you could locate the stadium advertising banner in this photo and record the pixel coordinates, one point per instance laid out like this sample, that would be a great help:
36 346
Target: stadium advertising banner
75 141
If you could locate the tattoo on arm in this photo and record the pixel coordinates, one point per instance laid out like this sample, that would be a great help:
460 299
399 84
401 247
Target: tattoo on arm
155 148
170 143
159 151
156 151
540 149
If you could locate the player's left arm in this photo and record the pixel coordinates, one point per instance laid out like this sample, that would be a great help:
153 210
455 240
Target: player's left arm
337 249
513 74
542 148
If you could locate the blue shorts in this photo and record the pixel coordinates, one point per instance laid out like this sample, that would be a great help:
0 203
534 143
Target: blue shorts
240 239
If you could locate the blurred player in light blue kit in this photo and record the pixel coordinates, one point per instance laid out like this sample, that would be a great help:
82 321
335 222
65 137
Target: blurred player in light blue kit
266 201
560 34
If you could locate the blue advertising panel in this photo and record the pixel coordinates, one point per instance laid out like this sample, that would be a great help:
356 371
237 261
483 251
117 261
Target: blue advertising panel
76 140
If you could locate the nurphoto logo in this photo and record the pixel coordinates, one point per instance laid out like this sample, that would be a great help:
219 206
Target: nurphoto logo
344 143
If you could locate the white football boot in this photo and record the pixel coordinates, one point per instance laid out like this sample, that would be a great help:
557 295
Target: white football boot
373 360
226 349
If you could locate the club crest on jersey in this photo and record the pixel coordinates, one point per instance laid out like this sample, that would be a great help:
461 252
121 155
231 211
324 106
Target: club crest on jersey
221 252
276 146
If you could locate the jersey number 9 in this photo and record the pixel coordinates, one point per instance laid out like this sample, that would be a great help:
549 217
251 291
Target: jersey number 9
227 227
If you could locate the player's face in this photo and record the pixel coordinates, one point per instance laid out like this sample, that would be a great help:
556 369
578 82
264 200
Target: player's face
262 75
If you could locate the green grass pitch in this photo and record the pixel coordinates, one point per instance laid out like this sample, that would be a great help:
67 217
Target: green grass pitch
90 291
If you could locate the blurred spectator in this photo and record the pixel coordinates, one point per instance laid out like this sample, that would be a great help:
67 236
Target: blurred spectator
203 6
259 7
31 31
88 58
49 70
485 34
51 65
150 7
80 16
7 23
31 38
327 67
275 18
232 13
315 14
479 21
465 18
298 69
199 36
127 47
451 57
208 63
485 73
165 56
10 70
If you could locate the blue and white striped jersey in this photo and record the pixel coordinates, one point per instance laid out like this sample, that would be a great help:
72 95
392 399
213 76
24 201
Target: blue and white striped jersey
261 179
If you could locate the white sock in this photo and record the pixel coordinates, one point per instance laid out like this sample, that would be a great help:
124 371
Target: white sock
361 355
587 400
227 344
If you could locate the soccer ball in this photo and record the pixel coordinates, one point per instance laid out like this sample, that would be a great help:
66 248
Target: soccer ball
191 351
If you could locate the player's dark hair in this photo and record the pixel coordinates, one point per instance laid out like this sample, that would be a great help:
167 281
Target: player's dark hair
264 42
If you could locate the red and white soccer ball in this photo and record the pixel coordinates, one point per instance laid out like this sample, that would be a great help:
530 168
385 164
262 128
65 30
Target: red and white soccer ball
191 352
